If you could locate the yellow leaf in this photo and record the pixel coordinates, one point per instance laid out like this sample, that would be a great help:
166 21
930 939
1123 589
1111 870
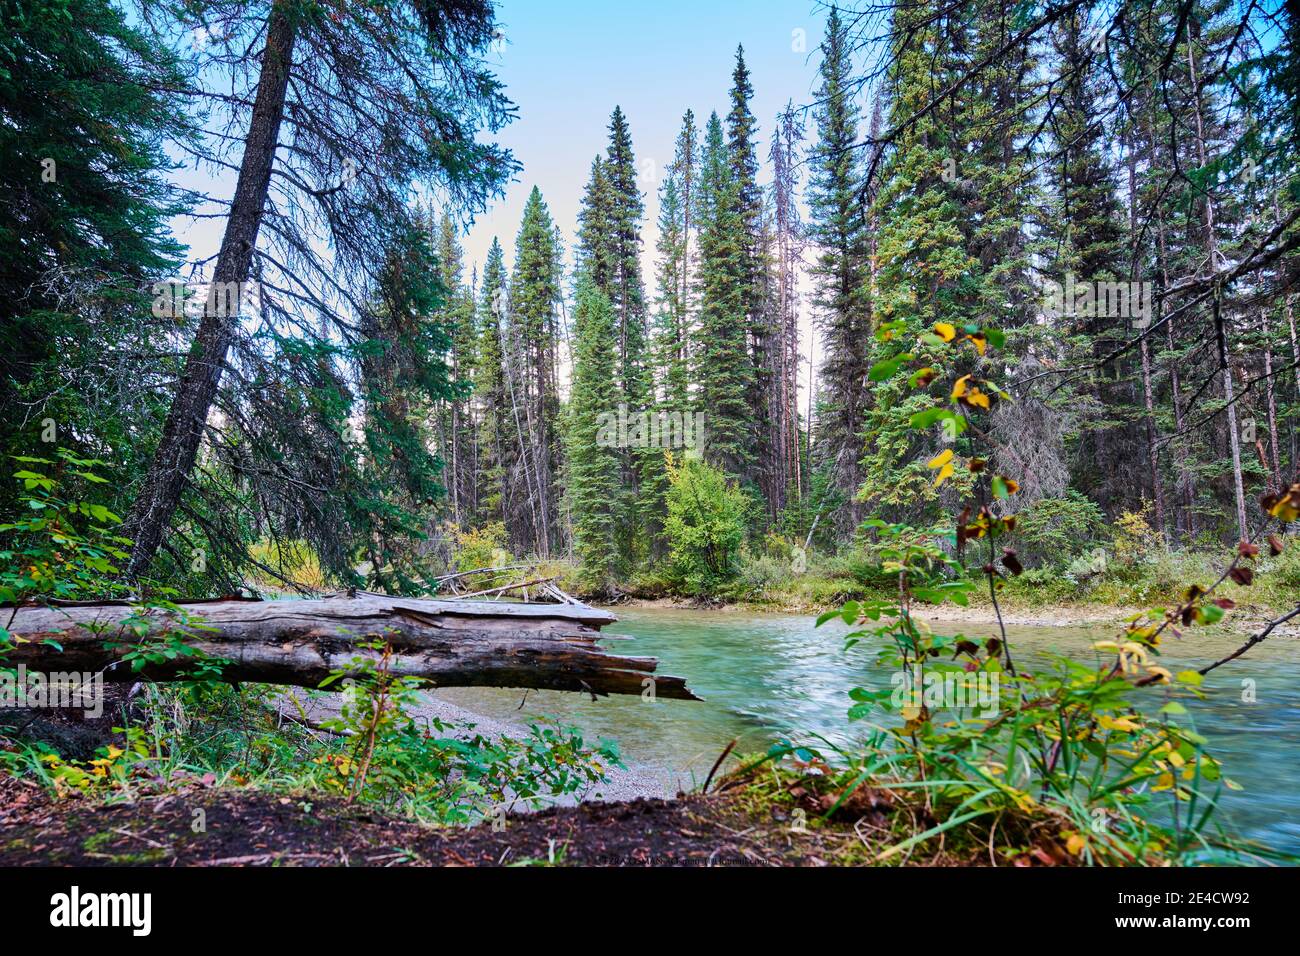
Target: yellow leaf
959 387
977 397
944 474
1117 723
980 342
945 331
1074 844
941 459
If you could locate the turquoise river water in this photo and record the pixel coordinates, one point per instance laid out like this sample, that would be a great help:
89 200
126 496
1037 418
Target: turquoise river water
768 676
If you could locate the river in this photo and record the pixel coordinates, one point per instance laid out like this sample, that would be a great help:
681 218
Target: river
763 676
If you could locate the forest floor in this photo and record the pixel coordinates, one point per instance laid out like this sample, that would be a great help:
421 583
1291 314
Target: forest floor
740 826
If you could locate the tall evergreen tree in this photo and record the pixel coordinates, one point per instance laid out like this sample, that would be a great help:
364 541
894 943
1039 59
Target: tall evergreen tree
785 475
460 441
596 248
83 212
534 334
495 428
842 286
742 162
724 370
595 485
316 91
610 251
1081 242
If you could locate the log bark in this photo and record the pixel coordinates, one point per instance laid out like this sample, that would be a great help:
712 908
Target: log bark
300 643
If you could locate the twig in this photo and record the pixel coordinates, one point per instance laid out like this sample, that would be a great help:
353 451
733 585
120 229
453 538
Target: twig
718 763
1258 638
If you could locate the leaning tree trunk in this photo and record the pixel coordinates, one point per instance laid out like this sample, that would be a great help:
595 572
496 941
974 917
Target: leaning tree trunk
183 431
300 643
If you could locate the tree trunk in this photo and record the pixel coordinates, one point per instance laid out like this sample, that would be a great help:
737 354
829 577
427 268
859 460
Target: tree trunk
1277 482
1220 322
1184 500
1152 429
300 643
183 431
1295 376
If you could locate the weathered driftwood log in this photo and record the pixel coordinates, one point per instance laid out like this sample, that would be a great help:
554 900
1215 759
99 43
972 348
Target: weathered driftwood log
451 643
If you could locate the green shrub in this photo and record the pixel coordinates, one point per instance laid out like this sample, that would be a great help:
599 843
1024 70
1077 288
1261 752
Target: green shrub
707 516
1054 531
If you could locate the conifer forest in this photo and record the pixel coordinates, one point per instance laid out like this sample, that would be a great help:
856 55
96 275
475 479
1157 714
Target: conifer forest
916 383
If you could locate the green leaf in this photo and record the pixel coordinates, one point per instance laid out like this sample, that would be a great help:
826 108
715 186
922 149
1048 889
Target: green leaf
887 368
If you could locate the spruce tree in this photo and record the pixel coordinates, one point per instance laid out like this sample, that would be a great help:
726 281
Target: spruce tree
841 270
339 112
84 205
724 370
459 443
786 476
595 486
1082 242
742 162
495 430
534 303
595 251
610 252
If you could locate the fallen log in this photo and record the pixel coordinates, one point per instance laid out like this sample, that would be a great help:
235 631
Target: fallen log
300 643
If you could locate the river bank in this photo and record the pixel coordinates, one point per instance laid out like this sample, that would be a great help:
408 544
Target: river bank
1243 620
759 818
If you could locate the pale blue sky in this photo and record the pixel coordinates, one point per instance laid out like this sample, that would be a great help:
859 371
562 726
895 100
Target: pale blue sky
567 64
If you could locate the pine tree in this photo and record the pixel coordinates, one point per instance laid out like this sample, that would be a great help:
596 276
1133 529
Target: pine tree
593 465
460 441
610 252
841 270
490 397
595 252
685 171
534 303
84 206
952 203
724 370
625 290
783 355
742 163
672 324
1082 241
310 91
669 339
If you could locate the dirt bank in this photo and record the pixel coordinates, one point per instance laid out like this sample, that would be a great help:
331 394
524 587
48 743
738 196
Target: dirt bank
243 827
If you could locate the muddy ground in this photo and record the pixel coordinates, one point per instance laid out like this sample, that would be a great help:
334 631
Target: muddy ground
235 827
